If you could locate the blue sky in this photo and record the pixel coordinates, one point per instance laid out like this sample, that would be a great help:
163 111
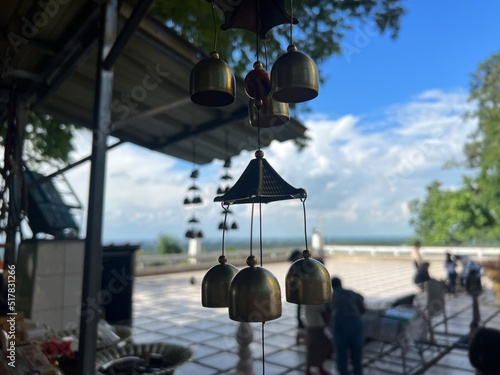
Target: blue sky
389 115
439 45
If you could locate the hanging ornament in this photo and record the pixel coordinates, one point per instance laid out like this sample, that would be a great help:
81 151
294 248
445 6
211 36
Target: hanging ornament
258 16
224 187
215 283
212 82
193 199
257 82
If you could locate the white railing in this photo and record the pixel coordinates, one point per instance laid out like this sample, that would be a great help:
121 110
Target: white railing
478 253
170 262
236 257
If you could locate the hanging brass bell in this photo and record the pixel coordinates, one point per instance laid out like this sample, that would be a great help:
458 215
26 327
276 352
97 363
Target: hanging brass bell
308 282
294 77
254 294
212 82
267 113
215 284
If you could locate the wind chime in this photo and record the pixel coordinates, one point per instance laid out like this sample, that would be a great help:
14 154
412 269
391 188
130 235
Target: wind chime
224 188
253 294
192 200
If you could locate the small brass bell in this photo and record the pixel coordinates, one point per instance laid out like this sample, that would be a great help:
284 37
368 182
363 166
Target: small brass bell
212 82
254 294
215 284
294 77
270 113
308 282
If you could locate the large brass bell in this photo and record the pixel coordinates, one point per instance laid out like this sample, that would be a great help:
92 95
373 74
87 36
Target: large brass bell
308 282
215 284
271 113
212 82
254 294
294 77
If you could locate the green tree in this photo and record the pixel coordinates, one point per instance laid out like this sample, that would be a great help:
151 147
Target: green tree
321 29
471 213
451 217
483 151
168 245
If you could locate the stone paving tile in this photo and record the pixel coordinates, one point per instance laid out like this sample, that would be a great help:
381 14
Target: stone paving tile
168 308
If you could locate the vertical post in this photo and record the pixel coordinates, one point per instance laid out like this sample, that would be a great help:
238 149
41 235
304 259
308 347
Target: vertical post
244 337
90 310
474 288
14 175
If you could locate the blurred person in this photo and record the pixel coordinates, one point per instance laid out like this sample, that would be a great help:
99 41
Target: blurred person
484 350
451 268
295 255
422 276
346 308
313 317
317 245
415 254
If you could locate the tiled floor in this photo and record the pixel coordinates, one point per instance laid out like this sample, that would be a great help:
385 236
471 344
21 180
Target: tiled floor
167 308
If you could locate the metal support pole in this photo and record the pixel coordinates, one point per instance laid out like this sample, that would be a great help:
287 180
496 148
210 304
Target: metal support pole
126 33
476 316
17 119
90 310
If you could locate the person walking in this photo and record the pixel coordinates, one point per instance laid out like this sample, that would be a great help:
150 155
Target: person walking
346 308
313 317
415 254
422 276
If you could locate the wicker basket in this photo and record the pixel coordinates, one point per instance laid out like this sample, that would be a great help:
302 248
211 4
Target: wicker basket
169 355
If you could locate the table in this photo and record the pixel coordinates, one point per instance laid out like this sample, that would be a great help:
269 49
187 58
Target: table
399 326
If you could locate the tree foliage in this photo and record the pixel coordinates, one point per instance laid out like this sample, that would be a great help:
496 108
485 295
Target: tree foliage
470 214
451 217
322 26
168 245
47 140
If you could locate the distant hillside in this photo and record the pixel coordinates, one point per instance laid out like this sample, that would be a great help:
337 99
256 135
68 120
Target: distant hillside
214 244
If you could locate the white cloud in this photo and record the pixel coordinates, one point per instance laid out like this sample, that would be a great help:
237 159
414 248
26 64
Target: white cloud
359 172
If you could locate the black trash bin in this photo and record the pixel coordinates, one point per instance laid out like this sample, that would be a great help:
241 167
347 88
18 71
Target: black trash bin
117 284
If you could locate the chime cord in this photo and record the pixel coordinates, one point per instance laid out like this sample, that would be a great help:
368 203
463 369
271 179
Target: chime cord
303 200
251 231
262 332
225 207
215 26
263 345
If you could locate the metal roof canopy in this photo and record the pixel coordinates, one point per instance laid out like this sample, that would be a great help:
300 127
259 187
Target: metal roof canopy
59 57
54 73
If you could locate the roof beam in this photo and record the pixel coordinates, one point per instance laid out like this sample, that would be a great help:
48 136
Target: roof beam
126 33
67 48
118 125
204 128
186 134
